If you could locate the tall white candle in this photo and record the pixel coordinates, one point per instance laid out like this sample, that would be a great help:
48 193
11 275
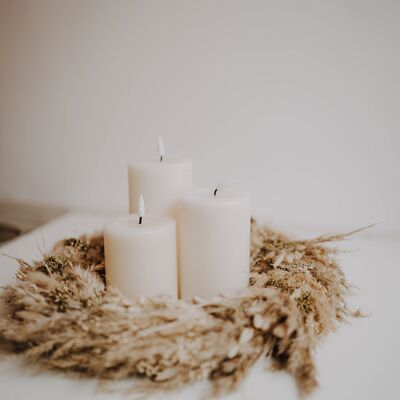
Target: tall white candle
215 242
140 254
162 181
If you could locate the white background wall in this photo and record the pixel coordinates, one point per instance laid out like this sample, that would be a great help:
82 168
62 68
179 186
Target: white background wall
297 100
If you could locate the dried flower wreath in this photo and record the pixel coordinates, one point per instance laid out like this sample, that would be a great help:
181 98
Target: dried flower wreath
59 315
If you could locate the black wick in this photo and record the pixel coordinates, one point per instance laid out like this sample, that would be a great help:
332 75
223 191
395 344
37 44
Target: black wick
140 220
160 158
215 191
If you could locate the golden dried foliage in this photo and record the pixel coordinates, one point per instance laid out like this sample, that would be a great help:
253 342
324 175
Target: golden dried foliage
60 315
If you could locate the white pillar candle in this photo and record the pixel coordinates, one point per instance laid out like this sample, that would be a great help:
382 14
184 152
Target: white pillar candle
140 254
162 182
215 242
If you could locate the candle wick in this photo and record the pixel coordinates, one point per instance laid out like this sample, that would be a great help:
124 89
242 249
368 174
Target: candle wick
161 158
215 191
140 220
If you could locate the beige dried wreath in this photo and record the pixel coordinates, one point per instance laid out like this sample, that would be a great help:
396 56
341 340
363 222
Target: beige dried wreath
60 315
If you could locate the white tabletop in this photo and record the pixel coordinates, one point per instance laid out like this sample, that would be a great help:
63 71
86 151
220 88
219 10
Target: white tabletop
360 361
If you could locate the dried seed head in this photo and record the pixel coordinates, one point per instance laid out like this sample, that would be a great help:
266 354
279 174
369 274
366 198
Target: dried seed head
198 300
289 258
279 331
246 335
232 352
279 259
297 256
267 321
258 321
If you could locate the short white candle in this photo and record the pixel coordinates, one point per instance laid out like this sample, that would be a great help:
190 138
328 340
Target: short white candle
140 254
162 182
215 242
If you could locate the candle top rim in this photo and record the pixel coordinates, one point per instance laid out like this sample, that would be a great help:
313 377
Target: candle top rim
166 161
129 223
224 195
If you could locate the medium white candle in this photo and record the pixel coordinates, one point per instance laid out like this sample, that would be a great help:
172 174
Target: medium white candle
140 254
215 242
162 181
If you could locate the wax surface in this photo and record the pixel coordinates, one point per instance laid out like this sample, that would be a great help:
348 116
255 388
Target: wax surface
141 258
162 184
215 243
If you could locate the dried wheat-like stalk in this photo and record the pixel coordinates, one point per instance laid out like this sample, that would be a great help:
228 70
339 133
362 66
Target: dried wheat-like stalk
60 315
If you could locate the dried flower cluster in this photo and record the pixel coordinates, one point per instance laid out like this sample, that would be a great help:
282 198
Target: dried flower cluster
60 315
